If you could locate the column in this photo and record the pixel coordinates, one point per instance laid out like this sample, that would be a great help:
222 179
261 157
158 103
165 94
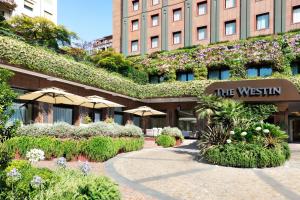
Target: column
215 21
125 27
144 28
164 26
188 11
245 19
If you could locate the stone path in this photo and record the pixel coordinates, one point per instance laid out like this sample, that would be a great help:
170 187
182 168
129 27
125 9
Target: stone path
174 174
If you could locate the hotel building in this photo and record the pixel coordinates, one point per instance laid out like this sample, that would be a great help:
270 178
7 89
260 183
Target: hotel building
146 26
31 8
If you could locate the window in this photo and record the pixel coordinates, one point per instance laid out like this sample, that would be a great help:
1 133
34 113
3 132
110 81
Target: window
177 37
219 74
97 116
134 46
296 14
135 5
202 33
262 21
259 71
229 3
295 68
202 8
154 42
135 25
185 76
154 79
118 116
136 120
230 27
28 5
63 114
154 19
177 14
155 2
2 13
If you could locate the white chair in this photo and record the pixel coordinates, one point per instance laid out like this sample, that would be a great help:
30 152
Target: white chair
149 132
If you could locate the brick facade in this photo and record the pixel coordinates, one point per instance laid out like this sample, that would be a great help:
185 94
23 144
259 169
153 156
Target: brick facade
244 13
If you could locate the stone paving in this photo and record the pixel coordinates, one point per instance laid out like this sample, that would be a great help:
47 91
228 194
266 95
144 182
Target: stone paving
174 174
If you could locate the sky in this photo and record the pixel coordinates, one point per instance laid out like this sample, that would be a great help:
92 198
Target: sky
90 19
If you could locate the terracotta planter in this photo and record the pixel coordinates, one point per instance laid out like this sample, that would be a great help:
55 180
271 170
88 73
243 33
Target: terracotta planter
17 155
178 142
82 158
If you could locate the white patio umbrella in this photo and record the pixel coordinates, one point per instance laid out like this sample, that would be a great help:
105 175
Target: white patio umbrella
53 96
97 102
144 111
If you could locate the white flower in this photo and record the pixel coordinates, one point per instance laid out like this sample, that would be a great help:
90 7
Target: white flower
35 155
232 132
258 128
228 141
266 131
243 133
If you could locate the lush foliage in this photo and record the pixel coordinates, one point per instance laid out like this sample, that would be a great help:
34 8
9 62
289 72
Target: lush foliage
7 96
76 53
22 181
165 141
64 130
116 62
74 185
21 187
174 132
41 31
247 155
95 148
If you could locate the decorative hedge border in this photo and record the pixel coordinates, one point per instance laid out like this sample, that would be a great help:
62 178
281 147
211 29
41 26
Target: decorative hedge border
41 60
95 148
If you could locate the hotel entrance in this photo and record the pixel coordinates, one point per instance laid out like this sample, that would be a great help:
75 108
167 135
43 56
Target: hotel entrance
294 129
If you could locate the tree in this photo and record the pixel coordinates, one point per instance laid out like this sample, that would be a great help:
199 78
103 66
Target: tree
7 96
41 31
78 54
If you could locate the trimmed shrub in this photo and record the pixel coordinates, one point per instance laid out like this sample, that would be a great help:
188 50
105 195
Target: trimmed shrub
64 130
165 141
247 155
97 148
73 185
22 189
174 132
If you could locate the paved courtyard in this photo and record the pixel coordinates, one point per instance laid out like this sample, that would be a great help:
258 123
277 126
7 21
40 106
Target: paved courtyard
174 174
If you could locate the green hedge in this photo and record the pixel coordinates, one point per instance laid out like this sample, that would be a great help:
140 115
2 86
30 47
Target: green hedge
245 155
95 148
165 141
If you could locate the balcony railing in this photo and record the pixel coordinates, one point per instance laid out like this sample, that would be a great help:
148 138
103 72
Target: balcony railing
8 4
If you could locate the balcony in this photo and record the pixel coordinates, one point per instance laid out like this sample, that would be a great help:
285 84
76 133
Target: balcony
8 4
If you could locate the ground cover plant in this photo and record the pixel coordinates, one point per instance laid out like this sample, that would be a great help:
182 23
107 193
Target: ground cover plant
236 135
21 180
278 51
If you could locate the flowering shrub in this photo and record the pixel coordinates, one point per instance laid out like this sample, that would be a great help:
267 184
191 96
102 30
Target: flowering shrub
35 155
64 130
174 132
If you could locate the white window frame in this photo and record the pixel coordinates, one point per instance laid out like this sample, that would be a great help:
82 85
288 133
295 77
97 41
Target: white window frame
155 2
296 16
157 20
135 25
177 37
259 24
232 3
202 5
154 42
227 30
135 5
205 33
134 48
177 14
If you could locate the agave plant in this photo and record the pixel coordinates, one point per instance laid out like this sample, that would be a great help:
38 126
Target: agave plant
212 136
